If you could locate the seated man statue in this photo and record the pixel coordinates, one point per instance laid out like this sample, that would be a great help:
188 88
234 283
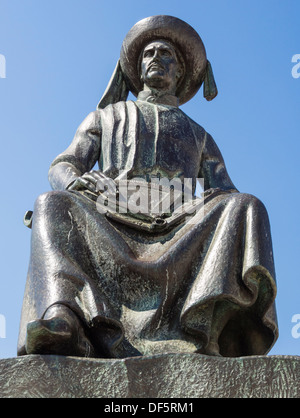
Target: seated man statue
112 284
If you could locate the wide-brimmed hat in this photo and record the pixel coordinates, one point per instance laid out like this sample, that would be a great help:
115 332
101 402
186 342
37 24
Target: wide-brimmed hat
185 40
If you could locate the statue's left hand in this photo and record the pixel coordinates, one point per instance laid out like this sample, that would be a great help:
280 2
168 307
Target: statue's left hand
210 192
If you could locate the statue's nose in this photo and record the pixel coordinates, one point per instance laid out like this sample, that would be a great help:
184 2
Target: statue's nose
156 56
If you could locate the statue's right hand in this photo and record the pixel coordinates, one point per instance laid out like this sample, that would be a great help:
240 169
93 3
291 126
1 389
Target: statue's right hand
91 181
80 184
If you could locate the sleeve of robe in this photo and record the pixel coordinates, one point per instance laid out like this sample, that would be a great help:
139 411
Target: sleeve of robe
80 157
213 168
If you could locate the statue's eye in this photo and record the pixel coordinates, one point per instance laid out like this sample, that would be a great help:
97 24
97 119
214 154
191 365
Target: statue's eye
148 54
166 53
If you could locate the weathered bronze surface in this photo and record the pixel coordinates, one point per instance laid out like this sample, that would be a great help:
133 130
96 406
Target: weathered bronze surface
115 285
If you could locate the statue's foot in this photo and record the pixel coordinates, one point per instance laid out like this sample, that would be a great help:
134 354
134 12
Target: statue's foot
212 349
60 333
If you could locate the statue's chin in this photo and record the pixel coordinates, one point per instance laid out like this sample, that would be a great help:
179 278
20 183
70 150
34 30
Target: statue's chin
156 80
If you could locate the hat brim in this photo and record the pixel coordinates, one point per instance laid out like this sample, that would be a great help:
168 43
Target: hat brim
181 35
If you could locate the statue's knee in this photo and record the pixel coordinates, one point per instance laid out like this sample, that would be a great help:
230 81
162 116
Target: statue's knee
51 205
253 200
248 201
50 200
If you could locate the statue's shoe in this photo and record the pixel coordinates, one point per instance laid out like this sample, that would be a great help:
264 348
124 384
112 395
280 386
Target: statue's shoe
57 336
212 349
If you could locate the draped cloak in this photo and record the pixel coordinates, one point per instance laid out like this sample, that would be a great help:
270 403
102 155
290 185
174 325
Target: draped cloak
142 293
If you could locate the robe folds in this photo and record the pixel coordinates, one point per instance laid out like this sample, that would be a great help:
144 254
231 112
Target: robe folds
142 293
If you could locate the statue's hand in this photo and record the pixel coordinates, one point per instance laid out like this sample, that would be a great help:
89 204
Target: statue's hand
211 191
94 181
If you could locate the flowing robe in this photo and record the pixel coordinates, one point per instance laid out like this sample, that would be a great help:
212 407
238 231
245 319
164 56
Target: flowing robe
140 293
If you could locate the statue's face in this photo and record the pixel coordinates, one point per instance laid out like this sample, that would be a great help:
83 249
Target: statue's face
160 67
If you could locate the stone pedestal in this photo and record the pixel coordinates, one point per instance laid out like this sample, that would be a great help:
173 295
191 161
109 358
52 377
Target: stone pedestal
161 376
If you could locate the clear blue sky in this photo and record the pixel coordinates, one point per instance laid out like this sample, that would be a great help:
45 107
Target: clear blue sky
59 58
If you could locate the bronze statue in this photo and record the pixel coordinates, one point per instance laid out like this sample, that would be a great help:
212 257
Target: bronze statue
116 284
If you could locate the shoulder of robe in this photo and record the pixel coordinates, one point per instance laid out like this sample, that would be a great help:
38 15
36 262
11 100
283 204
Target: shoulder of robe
199 131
